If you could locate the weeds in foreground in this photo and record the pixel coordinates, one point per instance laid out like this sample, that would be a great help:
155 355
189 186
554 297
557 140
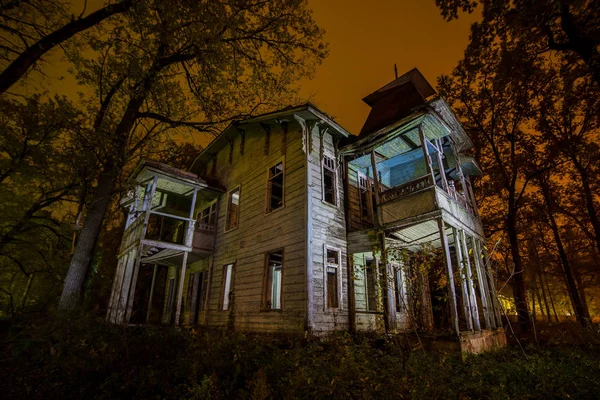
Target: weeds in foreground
84 358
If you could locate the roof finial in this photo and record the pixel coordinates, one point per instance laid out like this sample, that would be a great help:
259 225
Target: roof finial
396 70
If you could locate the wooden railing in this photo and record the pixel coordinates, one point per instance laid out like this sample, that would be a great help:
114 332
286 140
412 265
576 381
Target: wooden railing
407 188
132 233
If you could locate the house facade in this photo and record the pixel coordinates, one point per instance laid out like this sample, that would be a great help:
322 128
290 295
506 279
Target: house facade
288 223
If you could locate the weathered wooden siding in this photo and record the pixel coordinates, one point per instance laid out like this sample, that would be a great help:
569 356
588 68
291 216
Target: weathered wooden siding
259 233
357 222
328 229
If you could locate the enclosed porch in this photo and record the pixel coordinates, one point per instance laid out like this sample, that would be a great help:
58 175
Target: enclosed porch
162 236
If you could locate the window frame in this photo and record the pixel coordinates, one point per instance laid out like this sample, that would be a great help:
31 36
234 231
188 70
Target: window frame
359 176
268 209
375 269
326 265
336 199
226 289
267 292
238 188
399 290
214 212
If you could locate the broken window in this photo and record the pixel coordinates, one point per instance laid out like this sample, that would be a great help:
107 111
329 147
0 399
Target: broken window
209 214
329 181
273 275
226 286
371 283
275 187
333 264
399 285
233 209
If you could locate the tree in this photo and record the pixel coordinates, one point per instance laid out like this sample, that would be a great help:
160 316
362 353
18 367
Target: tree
491 89
34 27
568 27
183 64
38 180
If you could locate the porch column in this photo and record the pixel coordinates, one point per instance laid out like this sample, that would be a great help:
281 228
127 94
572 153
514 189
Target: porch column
389 316
493 293
474 308
148 196
149 312
351 293
440 149
426 154
180 288
451 288
115 297
472 194
481 278
377 188
462 268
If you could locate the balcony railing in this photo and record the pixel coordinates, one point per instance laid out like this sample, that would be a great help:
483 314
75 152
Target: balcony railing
407 188
422 183
164 228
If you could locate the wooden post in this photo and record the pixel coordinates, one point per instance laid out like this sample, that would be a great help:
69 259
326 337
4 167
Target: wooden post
472 295
494 294
461 268
481 278
351 294
472 195
377 188
440 149
451 288
426 155
138 257
149 312
387 306
180 288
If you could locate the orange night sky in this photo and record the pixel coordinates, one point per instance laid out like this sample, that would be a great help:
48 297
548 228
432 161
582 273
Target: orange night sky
365 39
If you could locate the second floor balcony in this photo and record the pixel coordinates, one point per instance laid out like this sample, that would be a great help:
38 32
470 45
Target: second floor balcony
416 170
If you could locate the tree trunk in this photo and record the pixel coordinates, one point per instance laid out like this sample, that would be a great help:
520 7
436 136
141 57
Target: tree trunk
582 317
519 288
86 243
588 198
541 278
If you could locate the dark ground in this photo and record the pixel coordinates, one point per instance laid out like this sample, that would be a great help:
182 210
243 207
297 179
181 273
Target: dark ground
86 358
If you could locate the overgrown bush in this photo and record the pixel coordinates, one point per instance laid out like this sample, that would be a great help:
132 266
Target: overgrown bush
84 358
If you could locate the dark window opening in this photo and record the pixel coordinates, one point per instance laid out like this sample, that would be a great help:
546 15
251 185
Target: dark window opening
329 180
275 187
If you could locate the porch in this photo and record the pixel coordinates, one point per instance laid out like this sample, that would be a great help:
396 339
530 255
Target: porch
161 234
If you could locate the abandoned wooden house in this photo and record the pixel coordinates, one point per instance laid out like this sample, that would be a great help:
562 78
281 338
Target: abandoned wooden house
288 223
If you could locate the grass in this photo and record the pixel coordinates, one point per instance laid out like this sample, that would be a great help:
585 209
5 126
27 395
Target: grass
86 358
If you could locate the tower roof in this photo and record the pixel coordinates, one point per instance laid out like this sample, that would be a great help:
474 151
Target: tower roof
396 100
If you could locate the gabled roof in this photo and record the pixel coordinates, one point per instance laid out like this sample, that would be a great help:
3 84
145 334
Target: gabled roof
306 111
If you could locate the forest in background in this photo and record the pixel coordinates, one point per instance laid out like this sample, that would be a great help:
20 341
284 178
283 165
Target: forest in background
526 90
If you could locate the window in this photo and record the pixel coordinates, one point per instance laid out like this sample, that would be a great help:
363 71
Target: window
329 180
363 195
399 285
332 270
371 283
233 209
272 284
226 286
209 214
275 187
